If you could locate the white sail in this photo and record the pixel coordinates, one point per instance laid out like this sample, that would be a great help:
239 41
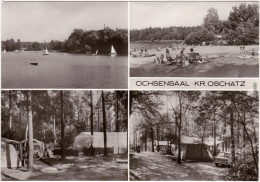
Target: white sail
46 52
97 52
113 51
4 50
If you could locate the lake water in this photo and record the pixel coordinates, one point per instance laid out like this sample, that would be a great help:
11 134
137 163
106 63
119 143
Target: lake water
149 45
63 71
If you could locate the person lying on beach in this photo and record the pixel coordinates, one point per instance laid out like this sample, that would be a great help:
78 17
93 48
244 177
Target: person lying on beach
146 54
159 60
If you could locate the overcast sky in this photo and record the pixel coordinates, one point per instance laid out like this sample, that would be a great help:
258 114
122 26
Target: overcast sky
166 14
44 21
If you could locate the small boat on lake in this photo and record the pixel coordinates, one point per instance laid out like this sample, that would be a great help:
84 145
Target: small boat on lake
34 63
16 51
4 51
113 51
46 52
95 54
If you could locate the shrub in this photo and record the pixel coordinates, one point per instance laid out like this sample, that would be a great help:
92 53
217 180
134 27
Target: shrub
243 169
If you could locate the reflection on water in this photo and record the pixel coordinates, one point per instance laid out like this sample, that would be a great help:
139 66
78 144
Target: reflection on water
63 71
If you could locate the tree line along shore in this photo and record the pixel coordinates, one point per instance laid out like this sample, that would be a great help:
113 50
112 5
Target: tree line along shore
79 41
241 28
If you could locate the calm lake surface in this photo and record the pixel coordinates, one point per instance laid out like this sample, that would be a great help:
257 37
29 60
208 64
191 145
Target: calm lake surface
149 45
63 71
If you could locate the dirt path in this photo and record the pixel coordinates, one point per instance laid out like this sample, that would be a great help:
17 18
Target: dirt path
153 166
86 173
81 171
209 170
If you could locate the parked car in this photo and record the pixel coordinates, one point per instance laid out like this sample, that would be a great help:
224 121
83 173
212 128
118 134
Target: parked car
223 159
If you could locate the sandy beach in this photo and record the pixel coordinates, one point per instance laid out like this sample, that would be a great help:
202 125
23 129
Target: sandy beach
218 61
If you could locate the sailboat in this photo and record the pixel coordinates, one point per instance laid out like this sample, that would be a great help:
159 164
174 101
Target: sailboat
16 51
46 52
4 51
96 53
113 51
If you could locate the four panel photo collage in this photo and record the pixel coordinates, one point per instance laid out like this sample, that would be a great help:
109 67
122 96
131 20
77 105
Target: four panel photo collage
129 90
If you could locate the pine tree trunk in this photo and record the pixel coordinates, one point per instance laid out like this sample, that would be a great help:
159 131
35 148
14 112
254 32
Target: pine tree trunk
179 144
62 127
244 133
30 128
10 110
214 134
179 137
117 110
20 118
158 138
92 153
238 133
91 113
232 137
54 132
26 132
130 103
99 128
145 144
104 124
152 137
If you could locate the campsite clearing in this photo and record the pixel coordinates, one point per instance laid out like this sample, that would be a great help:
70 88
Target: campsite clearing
74 168
153 166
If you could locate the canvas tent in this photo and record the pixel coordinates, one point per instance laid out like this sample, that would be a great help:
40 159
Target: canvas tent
195 152
164 146
192 150
117 140
82 140
38 147
8 153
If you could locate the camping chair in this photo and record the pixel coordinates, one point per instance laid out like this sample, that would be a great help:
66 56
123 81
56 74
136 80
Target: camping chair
194 57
